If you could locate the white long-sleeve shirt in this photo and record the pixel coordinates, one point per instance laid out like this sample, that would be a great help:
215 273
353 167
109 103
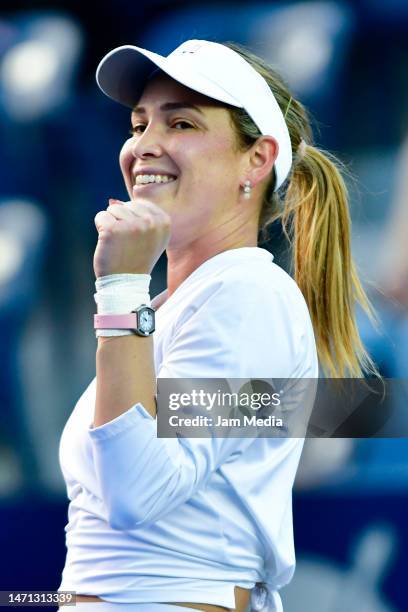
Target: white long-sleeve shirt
188 519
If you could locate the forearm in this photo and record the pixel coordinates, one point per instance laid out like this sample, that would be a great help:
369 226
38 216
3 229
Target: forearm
131 239
125 375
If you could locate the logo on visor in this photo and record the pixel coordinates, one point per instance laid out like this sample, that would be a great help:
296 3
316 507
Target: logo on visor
191 48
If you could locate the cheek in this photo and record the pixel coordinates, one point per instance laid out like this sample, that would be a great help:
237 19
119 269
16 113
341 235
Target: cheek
218 170
213 163
125 157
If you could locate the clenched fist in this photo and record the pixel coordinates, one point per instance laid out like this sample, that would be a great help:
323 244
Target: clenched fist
131 237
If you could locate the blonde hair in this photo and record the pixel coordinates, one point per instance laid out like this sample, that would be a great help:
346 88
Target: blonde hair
313 207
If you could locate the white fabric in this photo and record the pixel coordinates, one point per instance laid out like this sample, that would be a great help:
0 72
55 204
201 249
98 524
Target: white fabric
188 519
120 294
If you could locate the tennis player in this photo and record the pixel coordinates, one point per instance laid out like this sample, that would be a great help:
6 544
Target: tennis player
218 150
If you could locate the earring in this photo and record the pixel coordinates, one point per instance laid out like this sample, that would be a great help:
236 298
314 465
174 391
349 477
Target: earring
247 189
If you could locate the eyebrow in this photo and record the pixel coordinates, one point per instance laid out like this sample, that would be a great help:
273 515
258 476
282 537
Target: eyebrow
168 106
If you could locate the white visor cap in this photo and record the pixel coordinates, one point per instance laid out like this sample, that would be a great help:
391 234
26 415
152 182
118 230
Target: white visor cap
209 68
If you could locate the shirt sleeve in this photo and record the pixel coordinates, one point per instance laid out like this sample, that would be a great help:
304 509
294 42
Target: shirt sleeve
142 477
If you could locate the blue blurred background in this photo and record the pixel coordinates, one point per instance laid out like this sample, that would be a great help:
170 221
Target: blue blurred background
59 144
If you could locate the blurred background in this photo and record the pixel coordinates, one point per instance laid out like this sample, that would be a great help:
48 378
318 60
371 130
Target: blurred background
59 145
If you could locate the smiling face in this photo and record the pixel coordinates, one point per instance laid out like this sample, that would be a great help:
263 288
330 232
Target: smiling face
183 156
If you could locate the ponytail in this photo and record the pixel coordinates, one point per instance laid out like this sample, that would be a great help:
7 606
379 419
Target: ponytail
313 207
316 215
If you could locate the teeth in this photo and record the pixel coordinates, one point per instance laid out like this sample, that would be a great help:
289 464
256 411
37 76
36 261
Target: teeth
142 179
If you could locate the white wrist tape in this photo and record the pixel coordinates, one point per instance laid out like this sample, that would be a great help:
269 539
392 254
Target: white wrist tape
120 294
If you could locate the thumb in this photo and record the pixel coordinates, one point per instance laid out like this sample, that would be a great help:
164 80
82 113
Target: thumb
112 202
104 221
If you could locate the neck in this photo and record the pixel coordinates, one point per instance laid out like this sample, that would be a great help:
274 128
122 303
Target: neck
183 260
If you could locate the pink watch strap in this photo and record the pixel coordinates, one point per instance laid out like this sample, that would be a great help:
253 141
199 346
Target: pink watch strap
115 321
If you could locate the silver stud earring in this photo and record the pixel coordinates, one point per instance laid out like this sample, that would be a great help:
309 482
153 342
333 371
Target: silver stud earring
247 189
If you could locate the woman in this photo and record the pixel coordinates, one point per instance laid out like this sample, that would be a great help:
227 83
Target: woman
218 150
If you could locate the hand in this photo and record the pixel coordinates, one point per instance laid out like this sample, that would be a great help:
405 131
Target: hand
131 237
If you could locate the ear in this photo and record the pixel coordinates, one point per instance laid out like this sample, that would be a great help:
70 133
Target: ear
261 157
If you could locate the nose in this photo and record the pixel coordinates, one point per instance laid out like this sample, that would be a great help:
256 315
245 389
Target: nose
148 143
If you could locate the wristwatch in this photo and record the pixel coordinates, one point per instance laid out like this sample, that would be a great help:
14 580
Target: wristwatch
140 321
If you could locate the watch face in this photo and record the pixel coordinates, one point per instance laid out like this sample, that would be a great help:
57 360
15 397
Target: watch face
146 321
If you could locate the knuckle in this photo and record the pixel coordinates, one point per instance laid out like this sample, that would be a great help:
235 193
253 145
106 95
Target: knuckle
134 226
106 233
147 221
103 223
103 214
